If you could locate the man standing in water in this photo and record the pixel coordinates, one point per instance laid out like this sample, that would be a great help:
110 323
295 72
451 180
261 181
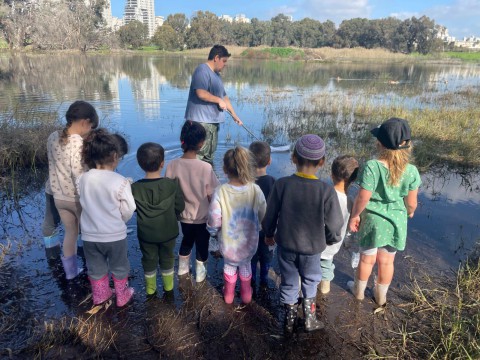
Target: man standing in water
207 100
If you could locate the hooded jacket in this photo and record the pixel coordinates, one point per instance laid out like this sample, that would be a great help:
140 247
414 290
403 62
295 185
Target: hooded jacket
159 202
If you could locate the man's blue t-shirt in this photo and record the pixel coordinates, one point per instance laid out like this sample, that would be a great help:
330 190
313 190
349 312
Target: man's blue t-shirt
201 111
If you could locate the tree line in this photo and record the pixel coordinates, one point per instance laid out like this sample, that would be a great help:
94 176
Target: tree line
76 24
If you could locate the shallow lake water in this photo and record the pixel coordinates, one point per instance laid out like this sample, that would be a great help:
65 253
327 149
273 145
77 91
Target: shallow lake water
144 98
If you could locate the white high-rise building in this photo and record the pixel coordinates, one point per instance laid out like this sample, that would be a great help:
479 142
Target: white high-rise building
143 11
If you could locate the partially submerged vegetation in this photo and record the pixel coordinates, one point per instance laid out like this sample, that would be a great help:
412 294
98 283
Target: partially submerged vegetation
23 142
443 134
445 318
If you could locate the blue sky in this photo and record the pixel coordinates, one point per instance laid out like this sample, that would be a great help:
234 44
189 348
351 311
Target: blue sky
461 17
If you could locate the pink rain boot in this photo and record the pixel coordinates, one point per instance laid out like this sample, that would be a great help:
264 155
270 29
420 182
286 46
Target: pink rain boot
229 287
245 289
101 291
122 291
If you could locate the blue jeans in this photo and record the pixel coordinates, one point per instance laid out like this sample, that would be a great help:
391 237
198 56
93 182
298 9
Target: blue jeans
294 265
102 257
265 256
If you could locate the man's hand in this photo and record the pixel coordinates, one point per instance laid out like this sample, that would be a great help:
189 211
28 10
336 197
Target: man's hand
238 121
222 105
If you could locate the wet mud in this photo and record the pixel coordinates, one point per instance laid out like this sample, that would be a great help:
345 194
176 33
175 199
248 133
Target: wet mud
44 316
48 317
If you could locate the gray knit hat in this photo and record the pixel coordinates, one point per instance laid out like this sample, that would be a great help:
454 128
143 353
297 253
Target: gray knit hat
310 147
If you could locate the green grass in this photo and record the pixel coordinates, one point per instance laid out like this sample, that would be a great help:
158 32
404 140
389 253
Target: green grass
274 53
148 48
449 317
467 56
3 44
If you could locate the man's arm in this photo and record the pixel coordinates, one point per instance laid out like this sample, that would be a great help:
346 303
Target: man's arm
208 97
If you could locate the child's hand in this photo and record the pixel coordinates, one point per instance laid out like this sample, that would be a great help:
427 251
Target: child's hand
354 223
270 241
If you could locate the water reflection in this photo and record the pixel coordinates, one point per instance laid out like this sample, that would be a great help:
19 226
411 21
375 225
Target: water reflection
144 97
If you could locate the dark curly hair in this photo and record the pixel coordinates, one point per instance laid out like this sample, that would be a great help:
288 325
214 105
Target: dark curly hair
99 148
192 135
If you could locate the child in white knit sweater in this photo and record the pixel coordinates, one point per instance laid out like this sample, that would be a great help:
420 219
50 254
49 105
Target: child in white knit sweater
107 203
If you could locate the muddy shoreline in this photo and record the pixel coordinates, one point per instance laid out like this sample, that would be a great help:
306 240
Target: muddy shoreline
47 316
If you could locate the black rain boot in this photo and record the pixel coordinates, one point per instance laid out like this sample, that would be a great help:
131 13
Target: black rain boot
311 321
290 318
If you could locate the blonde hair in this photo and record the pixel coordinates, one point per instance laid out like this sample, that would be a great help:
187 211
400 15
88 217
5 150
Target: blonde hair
397 161
239 163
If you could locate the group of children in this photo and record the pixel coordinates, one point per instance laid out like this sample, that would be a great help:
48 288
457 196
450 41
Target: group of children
304 217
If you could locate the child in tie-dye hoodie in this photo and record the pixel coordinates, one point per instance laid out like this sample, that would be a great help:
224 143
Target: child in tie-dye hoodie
235 214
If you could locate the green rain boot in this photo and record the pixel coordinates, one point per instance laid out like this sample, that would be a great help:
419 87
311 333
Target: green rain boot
151 283
167 277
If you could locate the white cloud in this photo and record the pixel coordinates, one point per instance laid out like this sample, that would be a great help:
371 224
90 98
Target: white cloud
336 10
405 15
283 9
461 17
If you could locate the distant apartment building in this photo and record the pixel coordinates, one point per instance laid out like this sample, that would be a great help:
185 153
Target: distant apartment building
241 18
442 33
117 23
470 42
226 18
159 20
143 11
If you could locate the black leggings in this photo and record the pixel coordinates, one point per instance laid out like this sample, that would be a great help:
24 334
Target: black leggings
195 234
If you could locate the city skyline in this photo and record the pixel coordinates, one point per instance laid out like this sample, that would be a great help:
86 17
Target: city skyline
459 16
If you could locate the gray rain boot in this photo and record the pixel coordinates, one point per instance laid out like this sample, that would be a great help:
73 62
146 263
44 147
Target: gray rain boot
290 323
380 293
201 271
183 265
357 288
311 321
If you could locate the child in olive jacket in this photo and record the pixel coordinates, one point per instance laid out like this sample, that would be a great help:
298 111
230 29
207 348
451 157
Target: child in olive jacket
159 201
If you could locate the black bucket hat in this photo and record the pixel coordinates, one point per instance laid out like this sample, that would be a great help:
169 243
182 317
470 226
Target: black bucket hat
392 133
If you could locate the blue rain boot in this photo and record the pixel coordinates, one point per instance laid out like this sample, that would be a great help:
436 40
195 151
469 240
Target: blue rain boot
70 266
52 246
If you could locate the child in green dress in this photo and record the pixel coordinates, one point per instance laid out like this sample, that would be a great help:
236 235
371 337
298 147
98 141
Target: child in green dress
387 198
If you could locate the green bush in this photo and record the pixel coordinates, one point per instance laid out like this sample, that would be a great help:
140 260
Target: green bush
273 53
